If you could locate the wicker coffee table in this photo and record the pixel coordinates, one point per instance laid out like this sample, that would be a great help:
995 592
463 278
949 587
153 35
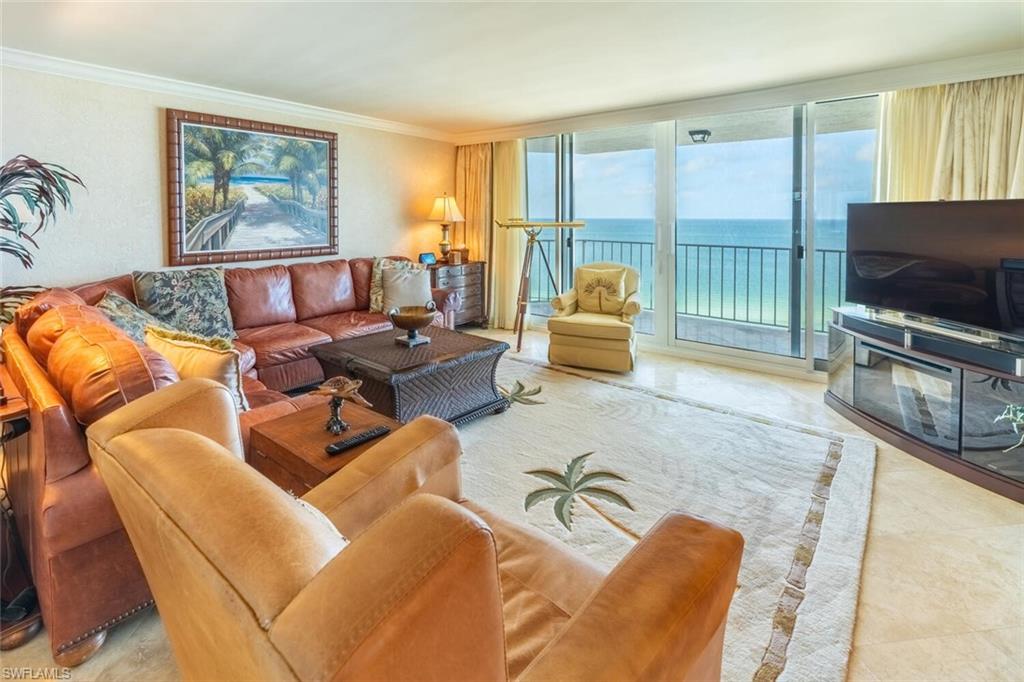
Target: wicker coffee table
452 377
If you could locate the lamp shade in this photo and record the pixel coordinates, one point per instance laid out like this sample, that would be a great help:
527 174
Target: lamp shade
445 210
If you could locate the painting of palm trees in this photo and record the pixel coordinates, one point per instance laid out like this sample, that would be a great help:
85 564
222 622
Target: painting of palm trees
242 190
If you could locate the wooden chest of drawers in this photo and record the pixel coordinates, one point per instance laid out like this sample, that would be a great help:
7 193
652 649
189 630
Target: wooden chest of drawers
469 279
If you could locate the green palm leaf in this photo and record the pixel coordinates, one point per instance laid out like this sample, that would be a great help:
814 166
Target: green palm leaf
575 468
552 477
542 494
607 495
563 509
596 476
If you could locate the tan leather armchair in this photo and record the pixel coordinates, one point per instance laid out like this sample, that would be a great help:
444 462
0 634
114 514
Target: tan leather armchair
595 340
254 584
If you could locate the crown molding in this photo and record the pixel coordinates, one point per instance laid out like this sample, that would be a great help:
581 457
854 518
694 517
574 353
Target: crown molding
32 61
868 83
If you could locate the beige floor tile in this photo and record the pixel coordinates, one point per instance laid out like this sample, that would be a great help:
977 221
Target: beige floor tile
984 656
925 498
929 584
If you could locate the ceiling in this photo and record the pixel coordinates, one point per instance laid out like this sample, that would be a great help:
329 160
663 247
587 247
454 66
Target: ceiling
460 68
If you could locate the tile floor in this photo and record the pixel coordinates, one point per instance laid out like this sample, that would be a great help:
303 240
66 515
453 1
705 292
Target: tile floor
942 591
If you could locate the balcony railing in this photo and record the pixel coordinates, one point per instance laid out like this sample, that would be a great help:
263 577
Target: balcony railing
747 284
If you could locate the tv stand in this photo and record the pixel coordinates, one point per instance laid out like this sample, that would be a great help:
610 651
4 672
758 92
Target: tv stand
947 394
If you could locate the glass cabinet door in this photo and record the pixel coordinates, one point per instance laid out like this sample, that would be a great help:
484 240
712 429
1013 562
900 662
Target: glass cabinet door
994 424
914 396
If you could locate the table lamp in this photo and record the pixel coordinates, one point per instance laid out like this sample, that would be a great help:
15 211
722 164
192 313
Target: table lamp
446 212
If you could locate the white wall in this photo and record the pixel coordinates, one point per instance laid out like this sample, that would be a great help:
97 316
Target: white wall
113 137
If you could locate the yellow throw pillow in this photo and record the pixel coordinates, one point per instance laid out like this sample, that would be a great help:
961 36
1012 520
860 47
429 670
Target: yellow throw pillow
601 290
199 356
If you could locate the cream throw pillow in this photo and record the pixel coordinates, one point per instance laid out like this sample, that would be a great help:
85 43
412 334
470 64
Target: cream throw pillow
601 290
197 356
377 279
405 287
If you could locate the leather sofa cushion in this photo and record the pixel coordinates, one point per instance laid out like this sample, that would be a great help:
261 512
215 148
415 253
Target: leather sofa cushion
259 297
280 343
97 369
30 311
362 272
322 288
594 325
246 357
543 584
54 322
93 292
347 325
292 375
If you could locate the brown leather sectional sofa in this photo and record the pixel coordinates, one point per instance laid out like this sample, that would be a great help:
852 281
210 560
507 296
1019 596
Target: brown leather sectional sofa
85 571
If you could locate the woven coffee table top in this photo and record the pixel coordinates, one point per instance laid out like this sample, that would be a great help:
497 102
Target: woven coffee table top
379 351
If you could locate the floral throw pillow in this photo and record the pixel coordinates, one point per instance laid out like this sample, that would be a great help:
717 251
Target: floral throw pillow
130 318
377 279
193 301
601 290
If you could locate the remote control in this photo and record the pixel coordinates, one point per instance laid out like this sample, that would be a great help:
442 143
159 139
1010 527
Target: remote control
357 439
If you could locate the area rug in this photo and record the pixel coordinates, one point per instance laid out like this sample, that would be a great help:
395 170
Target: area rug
800 496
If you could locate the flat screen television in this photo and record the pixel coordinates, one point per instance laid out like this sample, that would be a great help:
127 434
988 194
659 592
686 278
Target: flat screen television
961 261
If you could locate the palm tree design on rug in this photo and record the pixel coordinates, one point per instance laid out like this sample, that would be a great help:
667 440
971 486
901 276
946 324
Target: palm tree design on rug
573 483
520 394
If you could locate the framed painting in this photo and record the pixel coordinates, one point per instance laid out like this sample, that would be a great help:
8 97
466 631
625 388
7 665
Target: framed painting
240 190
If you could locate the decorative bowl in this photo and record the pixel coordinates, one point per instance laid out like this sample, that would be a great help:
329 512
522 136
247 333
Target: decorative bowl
413 318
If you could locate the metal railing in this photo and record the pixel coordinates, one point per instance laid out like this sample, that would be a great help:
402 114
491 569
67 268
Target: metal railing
747 284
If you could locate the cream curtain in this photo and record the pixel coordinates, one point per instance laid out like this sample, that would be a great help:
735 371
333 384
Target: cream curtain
955 141
473 195
507 246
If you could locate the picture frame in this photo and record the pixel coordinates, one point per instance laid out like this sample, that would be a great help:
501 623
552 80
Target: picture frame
428 258
241 190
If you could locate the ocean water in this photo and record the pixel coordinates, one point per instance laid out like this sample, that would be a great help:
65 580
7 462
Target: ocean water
725 269
829 233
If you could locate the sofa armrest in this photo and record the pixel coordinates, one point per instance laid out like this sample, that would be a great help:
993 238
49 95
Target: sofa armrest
632 307
201 406
416 597
422 456
664 606
565 303
448 302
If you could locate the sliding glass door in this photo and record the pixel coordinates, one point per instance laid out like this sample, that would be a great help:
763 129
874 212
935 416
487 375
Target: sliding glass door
739 239
613 192
736 222
845 135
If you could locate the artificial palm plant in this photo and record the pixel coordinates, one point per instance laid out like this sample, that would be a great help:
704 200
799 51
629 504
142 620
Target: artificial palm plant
31 192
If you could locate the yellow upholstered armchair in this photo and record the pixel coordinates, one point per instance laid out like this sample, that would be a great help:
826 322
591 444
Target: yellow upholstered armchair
385 571
598 340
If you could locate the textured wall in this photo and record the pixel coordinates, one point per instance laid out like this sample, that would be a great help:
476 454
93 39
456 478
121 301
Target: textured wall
113 137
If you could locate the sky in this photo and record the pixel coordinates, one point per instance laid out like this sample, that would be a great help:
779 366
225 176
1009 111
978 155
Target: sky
729 180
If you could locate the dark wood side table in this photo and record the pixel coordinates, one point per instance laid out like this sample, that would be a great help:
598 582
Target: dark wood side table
289 450
469 279
17 579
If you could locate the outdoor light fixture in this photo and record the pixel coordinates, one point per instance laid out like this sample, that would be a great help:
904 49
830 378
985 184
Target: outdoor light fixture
699 136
